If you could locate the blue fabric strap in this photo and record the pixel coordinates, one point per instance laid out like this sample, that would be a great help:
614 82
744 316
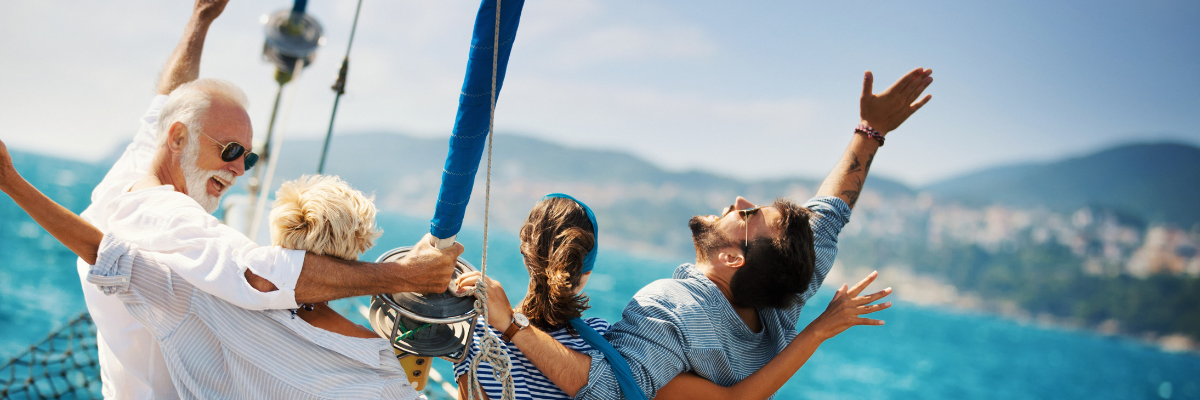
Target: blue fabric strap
590 260
619 366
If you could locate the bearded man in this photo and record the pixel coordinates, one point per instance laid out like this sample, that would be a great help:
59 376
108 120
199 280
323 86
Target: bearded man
725 327
192 146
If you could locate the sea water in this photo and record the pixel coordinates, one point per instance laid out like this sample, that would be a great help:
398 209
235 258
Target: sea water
921 353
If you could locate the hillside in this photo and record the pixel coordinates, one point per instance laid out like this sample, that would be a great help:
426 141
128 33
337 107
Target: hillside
1158 182
639 205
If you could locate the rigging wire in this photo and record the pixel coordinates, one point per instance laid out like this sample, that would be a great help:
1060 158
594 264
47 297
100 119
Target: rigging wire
339 87
264 155
490 347
264 187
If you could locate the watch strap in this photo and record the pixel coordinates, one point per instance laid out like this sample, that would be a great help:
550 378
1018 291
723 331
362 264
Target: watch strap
513 328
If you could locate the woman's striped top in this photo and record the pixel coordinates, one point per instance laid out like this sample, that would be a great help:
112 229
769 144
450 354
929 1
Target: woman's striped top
528 381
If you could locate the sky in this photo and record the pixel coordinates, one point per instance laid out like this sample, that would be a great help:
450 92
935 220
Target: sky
750 90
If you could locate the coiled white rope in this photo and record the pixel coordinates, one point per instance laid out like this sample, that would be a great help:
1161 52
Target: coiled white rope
490 349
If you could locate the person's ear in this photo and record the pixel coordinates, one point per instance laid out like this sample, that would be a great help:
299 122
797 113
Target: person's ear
177 137
732 257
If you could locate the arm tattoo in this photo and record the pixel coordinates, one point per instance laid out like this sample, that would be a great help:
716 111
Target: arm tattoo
852 195
854 166
870 159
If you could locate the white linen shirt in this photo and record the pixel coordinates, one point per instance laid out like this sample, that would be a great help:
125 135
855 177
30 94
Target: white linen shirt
195 245
216 350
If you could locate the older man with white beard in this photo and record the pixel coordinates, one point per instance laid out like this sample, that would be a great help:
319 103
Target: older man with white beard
192 146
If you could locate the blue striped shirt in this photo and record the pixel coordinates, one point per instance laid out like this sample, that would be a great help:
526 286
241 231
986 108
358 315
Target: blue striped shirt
217 350
686 324
528 381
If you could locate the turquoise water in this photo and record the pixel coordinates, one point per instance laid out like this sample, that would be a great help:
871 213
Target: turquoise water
922 353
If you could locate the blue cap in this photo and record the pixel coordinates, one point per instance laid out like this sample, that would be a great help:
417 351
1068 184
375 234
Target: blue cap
590 260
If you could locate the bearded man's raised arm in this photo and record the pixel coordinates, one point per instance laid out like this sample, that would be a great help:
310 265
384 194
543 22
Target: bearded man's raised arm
881 113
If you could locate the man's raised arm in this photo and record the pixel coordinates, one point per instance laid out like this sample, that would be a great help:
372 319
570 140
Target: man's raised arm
883 113
184 64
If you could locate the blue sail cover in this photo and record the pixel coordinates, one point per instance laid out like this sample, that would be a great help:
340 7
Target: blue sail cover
470 132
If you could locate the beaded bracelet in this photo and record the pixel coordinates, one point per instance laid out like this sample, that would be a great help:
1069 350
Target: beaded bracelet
865 129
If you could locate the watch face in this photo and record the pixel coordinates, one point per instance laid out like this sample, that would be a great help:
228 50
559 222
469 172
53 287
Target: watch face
521 319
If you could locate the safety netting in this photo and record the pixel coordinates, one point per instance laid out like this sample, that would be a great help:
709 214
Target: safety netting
65 365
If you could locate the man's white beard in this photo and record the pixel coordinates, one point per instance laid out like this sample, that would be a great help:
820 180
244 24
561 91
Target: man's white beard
197 179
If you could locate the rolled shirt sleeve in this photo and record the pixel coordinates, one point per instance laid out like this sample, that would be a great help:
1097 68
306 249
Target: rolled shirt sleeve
151 292
833 214
209 255
114 266
145 287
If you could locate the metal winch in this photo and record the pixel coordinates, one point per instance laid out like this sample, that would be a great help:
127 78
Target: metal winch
425 325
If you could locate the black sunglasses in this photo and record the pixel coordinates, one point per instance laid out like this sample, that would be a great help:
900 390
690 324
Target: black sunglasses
745 215
232 150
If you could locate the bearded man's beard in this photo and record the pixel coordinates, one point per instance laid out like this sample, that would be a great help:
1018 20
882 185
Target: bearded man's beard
197 178
749 282
707 238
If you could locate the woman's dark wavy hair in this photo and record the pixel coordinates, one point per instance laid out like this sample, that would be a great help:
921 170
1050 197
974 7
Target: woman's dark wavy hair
777 270
555 239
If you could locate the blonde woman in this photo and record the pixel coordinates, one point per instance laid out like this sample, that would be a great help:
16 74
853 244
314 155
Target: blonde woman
215 349
324 215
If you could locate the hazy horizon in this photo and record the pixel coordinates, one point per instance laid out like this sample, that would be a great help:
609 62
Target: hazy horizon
118 147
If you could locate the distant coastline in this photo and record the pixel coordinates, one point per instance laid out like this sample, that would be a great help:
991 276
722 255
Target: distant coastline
931 291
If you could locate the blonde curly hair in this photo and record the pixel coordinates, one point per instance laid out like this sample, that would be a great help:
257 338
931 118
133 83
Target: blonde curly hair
324 215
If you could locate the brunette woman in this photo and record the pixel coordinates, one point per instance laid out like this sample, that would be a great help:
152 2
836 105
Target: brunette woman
559 244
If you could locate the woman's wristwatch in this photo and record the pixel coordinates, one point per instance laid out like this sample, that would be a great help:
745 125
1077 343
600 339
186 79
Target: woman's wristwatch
519 322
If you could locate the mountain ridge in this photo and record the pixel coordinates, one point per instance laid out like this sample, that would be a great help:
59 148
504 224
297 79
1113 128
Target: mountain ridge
1147 180
1150 180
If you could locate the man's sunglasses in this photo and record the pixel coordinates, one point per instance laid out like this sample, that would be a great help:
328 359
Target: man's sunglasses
745 215
232 150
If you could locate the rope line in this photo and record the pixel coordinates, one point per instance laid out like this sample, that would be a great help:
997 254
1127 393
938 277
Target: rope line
490 349
407 334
